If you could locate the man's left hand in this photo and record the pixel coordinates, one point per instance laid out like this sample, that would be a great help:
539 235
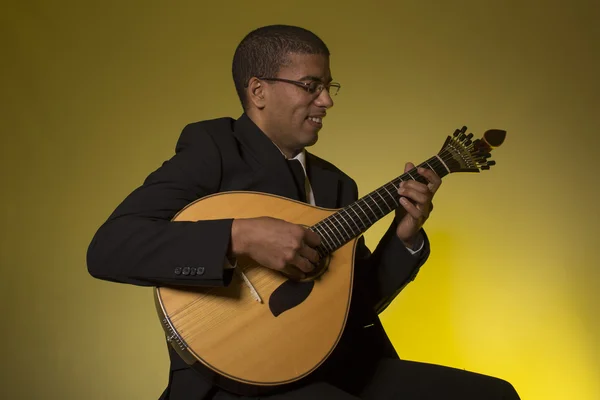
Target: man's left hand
413 214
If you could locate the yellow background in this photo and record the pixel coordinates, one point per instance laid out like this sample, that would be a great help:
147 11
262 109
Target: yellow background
95 94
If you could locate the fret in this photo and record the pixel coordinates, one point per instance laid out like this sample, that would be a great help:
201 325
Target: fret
352 219
431 168
327 228
330 245
419 178
375 215
359 218
377 204
321 250
388 206
328 248
344 223
336 228
437 167
384 194
445 166
363 211
392 196
434 164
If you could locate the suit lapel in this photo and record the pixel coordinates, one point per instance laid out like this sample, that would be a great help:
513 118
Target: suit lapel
324 182
273 174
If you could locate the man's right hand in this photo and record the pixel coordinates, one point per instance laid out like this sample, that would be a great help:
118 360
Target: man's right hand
276 244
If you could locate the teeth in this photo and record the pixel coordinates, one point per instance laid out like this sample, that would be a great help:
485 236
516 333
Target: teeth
315 119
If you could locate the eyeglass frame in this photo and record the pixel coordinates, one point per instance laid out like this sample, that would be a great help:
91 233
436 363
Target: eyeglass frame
306 85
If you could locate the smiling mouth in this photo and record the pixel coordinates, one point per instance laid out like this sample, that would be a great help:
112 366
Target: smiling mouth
317 120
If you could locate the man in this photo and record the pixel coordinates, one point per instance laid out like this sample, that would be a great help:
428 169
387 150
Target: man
282 76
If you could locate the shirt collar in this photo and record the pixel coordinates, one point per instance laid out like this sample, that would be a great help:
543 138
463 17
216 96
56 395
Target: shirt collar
249 125
300 157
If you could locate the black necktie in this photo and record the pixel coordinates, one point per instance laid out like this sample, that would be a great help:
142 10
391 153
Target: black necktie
299 177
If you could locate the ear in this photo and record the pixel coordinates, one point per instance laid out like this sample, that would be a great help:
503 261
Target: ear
256 93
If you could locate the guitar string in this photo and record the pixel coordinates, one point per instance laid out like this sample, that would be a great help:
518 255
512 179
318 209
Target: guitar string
445 157
215 319
383 191
176 315
369 201
332 222
433 160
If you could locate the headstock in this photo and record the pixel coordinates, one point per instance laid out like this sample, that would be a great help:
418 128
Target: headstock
460 154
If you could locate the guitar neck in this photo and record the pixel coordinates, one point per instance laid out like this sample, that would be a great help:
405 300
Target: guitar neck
356 218
458 154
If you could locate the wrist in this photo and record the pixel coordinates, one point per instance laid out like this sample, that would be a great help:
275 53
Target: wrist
412 242
237 243
409 243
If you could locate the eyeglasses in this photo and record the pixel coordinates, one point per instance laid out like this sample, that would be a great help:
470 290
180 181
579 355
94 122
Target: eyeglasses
312 87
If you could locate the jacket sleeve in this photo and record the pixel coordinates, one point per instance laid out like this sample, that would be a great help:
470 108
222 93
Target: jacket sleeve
140 244
387 270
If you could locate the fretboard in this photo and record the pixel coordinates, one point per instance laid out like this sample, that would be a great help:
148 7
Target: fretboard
354 219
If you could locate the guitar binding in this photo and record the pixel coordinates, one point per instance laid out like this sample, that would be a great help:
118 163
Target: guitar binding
172 337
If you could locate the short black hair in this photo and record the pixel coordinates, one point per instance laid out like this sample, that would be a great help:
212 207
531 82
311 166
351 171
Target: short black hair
262 53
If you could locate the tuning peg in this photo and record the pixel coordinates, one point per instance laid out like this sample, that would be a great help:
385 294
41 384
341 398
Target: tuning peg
469 136
478 144
468 142
460 131
491 162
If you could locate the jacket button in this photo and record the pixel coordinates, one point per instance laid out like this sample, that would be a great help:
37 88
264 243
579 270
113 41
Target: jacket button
177 270
186 270
199 270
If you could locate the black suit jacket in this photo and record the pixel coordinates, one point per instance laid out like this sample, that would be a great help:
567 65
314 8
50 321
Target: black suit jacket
140 245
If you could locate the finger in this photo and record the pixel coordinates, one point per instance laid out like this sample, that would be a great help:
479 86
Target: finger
414 185
302 264
415 195
293 272
309 253
311 238
408 166
411 209
434 180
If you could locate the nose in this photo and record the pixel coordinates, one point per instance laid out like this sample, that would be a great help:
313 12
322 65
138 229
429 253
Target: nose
324 99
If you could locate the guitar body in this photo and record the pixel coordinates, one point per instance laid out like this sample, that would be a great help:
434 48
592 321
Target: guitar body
244 343
263 331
